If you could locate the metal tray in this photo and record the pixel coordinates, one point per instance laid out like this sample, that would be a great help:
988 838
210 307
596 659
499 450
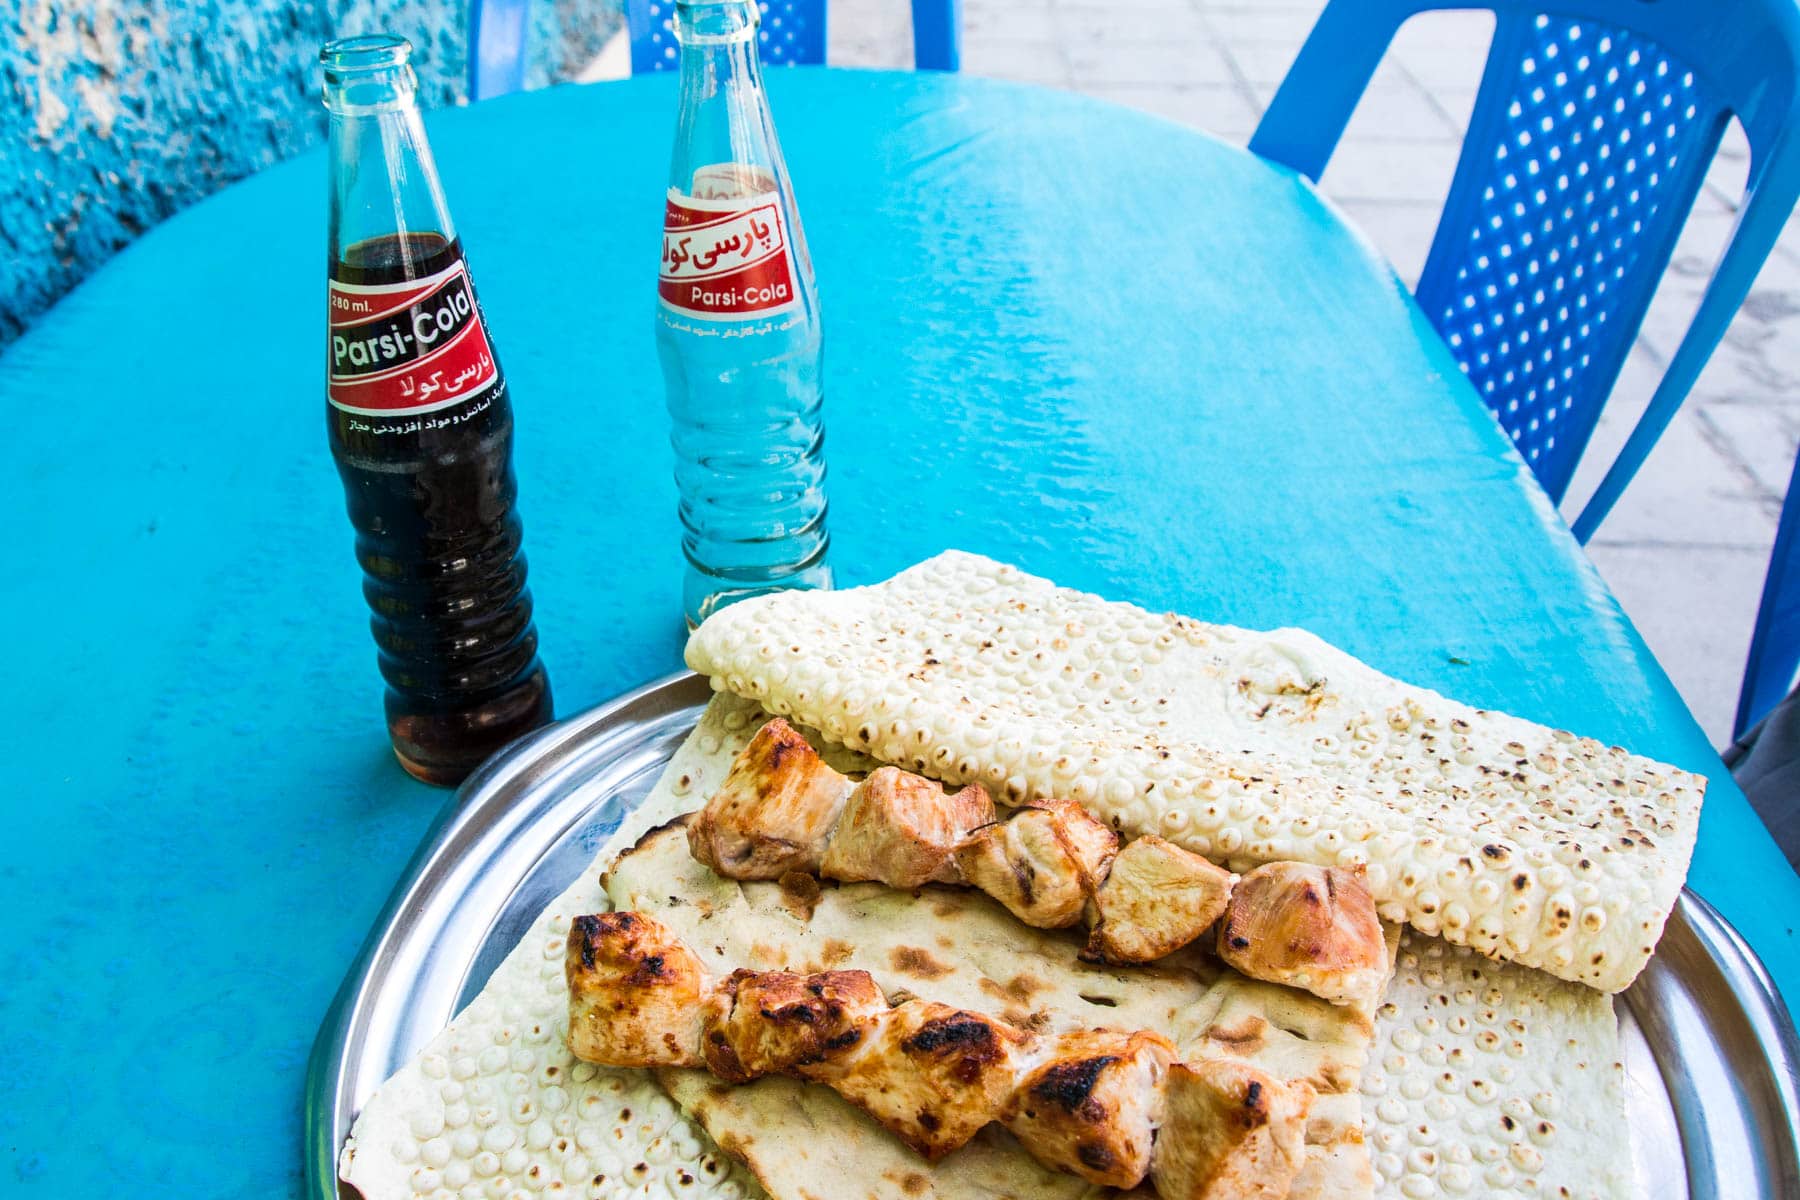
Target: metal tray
1712 1060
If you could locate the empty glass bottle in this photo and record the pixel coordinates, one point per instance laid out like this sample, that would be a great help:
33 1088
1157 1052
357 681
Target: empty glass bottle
737 329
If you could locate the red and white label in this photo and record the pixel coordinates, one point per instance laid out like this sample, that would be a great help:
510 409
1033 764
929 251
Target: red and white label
726 258
411 347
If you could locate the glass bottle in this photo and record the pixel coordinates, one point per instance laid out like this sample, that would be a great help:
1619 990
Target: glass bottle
421 428
737 329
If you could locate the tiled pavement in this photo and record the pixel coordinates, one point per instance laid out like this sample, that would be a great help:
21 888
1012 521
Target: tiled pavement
1686 548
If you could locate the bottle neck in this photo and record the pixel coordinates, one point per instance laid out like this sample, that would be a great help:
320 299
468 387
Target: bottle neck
724 131
384 181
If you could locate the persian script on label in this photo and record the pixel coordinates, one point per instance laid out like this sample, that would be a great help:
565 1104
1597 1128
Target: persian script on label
726 258
410 347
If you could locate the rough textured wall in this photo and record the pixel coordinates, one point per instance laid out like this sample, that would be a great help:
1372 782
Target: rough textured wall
116 113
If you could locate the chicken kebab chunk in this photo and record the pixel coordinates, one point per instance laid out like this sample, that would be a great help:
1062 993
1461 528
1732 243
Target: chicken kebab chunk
902 829
782 808
931 1074
1229 1135
1307 927
1044 863
642 993
1156 899
767 1022
1093 1107
774 811
1110 1107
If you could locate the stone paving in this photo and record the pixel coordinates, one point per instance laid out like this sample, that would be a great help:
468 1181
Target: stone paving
1687 546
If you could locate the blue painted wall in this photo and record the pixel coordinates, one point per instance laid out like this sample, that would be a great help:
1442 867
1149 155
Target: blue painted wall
115 114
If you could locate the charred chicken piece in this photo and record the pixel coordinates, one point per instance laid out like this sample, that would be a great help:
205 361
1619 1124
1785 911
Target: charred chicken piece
761 1023
931 1074
1043 863
1107 1106
1093 1107
1229 1132
902 829
1307 927
1156 899
781 811
774 811
635 993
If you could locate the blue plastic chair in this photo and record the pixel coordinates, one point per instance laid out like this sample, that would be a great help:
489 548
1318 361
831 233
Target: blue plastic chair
1591 134
792 33
1775 645
496 47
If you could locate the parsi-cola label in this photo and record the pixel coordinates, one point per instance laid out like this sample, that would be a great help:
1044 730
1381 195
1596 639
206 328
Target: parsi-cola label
726 257
410 347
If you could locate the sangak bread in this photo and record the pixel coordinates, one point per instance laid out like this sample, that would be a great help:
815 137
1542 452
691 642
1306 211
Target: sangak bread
1523 842
1495 1081
497 1106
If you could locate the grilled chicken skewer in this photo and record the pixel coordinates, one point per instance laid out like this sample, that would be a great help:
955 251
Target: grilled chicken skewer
1112 1108
782 808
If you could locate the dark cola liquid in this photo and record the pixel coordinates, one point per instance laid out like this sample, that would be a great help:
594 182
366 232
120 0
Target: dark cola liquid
439 542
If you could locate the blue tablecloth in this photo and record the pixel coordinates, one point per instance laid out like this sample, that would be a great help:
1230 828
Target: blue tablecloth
1109 349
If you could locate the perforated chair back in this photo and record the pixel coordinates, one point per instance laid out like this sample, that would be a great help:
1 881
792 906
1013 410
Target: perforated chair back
1775 645
1591 135
793 34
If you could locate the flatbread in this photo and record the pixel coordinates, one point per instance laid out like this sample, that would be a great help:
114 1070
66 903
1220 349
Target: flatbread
1495 1081
1526 843
958 947
525 1115
496 1102
808 1143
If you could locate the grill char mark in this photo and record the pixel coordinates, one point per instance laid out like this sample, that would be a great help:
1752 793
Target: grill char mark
1069 1084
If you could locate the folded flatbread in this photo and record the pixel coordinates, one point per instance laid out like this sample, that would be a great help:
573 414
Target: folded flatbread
1465 1051
1523 842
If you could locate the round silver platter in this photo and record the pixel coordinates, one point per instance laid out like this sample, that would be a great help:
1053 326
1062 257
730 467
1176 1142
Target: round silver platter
1712 1061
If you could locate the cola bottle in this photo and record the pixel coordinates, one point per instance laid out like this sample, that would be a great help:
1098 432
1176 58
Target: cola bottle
737 329
421 428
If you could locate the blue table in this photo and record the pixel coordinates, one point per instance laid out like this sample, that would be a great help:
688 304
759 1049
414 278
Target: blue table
1104 347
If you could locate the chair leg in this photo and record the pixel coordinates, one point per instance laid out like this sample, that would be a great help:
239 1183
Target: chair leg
1312 107
496 47
937 35
1775 644
1765 213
